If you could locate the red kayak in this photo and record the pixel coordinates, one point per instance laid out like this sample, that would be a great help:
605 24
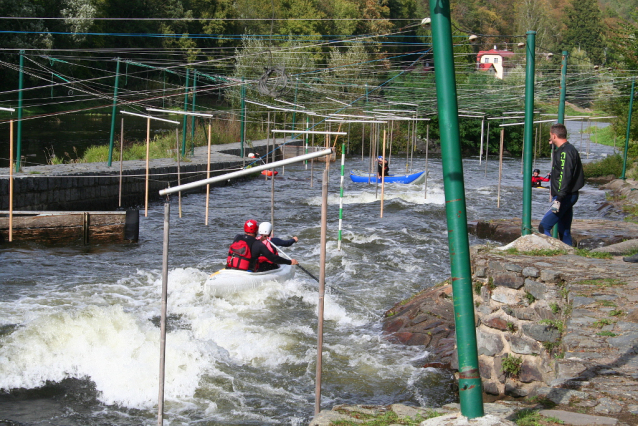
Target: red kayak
269 172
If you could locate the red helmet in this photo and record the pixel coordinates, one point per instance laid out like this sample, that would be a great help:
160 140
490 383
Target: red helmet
250 227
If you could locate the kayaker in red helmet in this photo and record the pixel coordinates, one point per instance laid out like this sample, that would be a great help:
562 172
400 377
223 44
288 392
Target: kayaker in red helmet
537 178
265 229
245 250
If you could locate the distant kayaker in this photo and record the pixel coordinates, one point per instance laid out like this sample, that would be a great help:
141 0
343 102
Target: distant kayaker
246 249
567 178
383 168
537 178
263 235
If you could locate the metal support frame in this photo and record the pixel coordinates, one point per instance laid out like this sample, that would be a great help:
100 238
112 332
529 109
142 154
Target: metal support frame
528 133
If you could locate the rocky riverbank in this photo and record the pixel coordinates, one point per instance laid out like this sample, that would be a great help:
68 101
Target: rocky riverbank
557 328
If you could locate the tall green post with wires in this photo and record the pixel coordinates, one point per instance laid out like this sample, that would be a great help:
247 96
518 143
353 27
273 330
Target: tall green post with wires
243 117
19 132
528 136
470 388
114 112
185 125
193 109
631 110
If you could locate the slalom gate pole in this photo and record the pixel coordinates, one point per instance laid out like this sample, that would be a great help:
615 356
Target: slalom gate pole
343 169
322 285
383 174
500 168
179 174
528 133
631 108
162 367
113 112
148 148
427 146
121 161
10 180
210 129
470 388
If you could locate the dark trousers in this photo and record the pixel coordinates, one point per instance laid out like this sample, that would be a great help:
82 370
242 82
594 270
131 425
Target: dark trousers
563 218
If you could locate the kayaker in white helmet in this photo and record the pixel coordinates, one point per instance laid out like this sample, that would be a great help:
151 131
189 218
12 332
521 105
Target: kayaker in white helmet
263 235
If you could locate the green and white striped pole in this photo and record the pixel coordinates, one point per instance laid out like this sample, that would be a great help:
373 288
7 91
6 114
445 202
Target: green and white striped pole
343 168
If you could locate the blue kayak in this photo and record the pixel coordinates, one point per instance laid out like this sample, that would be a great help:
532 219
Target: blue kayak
364 177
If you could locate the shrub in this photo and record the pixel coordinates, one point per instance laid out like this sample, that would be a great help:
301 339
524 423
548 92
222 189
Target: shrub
611 165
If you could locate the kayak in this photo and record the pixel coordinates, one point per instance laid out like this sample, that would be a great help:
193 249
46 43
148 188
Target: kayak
540 187
269 172
226 281
361 177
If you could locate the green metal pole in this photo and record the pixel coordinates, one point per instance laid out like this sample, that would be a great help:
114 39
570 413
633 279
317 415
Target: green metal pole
343 169
185 126
193 109
528 136
470 388
114 112
561 109
243 117
631 109
19 132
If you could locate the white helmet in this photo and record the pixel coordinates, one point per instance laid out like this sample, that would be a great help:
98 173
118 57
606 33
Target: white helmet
265 228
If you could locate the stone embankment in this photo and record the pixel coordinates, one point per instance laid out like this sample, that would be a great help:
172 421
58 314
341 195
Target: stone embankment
95 186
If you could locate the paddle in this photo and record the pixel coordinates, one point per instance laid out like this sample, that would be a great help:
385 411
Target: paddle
300 267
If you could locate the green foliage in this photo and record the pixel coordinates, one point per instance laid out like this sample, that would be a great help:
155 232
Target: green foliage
511 365
606 334
477 287
554 307
615 313
611 165
584 29
529 297
557 324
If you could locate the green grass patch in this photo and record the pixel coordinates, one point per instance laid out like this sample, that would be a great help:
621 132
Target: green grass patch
601 323
557 324
541 400
554 307
608 303
594 255
529 417
603 282
606 334
615 313
385 419
511 365
543 252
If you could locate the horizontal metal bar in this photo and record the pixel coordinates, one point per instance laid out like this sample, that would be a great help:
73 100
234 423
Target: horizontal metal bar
537 122
245 172
197 114
150 116
356 121
7 109
309 132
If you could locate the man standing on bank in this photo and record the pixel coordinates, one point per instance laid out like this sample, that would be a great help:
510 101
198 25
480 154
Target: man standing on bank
566 179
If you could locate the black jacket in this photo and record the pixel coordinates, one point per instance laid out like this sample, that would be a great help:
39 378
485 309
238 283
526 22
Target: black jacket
567 172
257 248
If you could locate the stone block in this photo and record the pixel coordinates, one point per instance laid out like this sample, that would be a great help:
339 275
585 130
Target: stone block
535 288
529 373
485 294
515 390
578 419
582 301
498 368
530 272
513 267
560 396
490 388
507 295
480 272
509 280
541 332
522 345
526 314
496 266
485 368
550 276
497 323
488 344
608 406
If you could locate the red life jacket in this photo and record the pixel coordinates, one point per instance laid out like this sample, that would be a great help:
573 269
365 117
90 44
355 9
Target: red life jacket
263 259
239 256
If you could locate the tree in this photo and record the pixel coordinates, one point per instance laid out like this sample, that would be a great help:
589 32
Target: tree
584 29
533 15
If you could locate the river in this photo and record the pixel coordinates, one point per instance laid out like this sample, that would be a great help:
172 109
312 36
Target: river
79 336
